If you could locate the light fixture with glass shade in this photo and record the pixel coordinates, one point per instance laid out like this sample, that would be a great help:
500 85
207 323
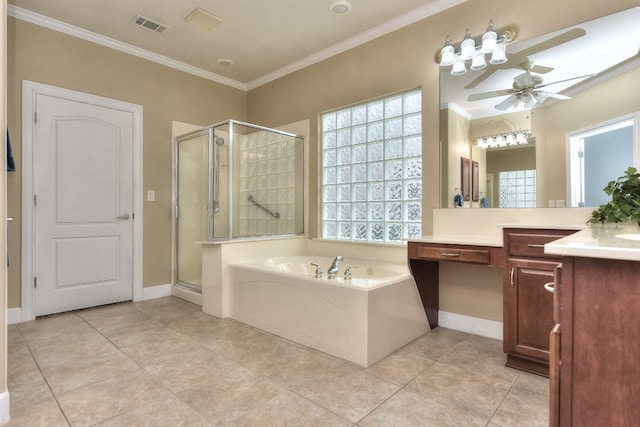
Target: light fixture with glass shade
493 43
505 140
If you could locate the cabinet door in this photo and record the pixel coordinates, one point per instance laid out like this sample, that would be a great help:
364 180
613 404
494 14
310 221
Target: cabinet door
530 308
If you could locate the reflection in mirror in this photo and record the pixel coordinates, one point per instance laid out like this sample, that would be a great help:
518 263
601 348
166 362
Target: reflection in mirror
596 156
556 85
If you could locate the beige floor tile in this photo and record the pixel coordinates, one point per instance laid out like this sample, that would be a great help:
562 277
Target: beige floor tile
433 344
152 352
93 368
149 330
41 414
196 368
222 402
67 351
79 332
167 312
533 382
483 357
468 391
289 409
121 321
408 409
523 408
100 401
103 311
291 365
351 396
169 412
46 323
400 368
26 394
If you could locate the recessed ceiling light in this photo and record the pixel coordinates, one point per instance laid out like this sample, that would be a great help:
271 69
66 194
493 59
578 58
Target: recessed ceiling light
340 7
225 62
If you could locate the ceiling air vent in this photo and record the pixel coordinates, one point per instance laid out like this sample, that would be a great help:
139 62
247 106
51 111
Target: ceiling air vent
149 24
202 19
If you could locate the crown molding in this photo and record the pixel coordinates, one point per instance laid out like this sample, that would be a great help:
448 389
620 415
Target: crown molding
409 18
53 24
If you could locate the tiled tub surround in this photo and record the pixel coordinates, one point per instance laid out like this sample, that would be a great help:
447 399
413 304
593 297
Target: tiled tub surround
361 319
165 363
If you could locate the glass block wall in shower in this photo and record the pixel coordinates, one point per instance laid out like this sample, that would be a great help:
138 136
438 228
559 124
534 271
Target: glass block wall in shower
270 183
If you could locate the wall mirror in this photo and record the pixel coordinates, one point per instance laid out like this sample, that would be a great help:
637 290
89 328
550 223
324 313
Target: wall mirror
552 88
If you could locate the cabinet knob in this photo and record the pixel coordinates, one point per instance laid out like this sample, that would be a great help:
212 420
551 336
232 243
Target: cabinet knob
550 287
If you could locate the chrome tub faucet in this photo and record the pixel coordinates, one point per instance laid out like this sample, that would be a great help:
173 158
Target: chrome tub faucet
333 269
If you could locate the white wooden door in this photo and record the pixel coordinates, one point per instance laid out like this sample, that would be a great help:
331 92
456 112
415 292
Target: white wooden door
83 198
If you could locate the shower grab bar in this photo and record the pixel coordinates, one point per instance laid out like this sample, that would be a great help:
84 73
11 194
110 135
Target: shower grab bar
276 215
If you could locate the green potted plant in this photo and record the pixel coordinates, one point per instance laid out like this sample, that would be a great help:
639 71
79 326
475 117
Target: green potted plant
625 200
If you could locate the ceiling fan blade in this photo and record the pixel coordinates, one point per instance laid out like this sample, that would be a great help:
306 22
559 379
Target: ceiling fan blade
541 69
492 94
553 95
564 80
509 102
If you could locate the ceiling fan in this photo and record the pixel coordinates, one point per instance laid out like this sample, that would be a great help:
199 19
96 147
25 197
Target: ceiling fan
527 89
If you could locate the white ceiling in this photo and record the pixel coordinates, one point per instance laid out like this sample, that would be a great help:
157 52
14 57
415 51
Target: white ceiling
264 38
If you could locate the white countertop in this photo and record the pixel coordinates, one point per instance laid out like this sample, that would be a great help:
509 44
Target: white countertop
610 241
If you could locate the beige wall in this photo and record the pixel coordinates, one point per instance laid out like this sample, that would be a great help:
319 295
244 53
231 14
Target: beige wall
45 56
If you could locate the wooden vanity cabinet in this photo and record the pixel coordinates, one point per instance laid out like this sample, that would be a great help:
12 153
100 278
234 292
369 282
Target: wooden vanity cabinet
528 305
596 370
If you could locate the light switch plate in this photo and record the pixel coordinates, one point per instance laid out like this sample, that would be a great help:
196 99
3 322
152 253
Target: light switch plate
151 196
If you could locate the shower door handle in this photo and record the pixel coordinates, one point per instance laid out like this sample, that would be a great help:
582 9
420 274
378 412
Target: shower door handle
123 216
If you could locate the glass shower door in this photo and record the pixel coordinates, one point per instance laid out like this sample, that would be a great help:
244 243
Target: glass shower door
192 210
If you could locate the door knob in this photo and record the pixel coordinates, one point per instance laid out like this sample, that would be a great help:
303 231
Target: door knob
124 216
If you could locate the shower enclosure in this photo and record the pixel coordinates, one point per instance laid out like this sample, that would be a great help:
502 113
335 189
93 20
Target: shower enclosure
234 180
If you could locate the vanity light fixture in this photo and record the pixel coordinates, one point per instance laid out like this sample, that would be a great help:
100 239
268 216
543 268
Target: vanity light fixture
520 137
492 42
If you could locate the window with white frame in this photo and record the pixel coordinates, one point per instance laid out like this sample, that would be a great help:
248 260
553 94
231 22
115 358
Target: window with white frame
372 170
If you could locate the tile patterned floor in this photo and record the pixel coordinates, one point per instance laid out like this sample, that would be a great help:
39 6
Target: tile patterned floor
165 363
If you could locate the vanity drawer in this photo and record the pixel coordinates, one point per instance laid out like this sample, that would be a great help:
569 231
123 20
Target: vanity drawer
531 243
474 256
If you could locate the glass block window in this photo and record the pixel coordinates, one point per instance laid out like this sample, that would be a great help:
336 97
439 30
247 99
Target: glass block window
518 189
372 170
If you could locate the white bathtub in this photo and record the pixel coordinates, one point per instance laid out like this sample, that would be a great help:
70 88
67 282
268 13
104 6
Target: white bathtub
361 319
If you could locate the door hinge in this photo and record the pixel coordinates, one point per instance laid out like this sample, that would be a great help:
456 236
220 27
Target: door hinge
133 215
35 117
580 154
35 282
35 200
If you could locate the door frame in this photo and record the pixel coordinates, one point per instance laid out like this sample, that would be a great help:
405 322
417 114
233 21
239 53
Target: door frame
29 91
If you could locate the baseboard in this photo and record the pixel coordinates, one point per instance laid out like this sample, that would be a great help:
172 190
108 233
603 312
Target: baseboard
14 315
471 325
187 295
153 292
5 413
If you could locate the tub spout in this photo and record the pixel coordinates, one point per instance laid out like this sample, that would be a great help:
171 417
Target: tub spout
333 270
